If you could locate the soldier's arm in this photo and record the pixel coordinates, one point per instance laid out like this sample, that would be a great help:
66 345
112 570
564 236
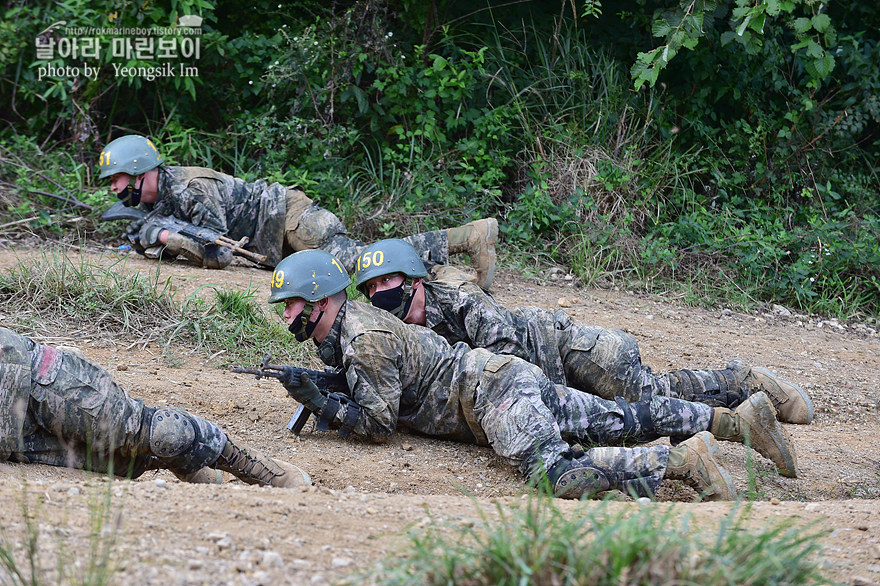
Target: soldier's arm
489 324
374 379
202 204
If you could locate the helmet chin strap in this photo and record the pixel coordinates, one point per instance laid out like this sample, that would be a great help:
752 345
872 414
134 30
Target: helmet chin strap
397 301
131 195
301 327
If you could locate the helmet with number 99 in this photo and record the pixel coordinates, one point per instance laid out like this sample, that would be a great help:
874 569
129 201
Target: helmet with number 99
387 257
309 274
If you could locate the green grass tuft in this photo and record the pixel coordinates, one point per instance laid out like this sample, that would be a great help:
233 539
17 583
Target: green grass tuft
53 293
537 543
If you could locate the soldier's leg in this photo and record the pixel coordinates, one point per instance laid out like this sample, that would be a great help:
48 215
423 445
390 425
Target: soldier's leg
605 363
478 239
695 461
608 363
79 404
734 384
95 421
635 471
519 426
587 418
431 247
185 444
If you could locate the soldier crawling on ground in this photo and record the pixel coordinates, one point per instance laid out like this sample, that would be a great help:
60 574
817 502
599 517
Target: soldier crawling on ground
402 375
272 217
59 409
592 359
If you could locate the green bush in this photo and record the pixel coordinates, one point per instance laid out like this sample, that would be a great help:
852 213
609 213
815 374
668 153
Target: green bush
740 165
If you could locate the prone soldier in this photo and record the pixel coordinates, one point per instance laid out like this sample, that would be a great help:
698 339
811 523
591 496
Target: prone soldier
271 218
592 359
59 409
402 375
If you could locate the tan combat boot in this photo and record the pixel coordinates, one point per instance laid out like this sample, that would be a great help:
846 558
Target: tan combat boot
754 423
696 463
204 476
452 274
252 467
477 239
792 403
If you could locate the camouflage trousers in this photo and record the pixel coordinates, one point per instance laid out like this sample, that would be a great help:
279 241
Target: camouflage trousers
531 422
607 363
318 228
79 417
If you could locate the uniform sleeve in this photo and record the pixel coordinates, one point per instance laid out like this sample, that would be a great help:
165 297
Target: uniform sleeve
202 205
489 324
374 379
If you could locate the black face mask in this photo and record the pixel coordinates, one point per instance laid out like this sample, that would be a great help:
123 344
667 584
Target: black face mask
131 195
303 332
396 301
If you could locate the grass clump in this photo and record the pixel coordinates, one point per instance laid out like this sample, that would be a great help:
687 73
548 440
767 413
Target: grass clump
537 543
54 293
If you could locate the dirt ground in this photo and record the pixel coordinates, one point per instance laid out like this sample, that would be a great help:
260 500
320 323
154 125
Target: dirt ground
366 496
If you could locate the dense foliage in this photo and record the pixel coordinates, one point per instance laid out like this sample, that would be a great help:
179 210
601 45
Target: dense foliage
744 164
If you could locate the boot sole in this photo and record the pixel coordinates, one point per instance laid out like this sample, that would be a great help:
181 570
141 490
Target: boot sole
713 451
800 391
778 435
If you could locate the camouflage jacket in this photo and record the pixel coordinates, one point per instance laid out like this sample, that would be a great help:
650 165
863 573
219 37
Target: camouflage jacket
225 204
22 363
462 312
404 375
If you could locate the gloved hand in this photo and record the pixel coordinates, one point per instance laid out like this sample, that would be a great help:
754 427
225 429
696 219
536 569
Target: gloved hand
307 393
149 234
133 230
217 257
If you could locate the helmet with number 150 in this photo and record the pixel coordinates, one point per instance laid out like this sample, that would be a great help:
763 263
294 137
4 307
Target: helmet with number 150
310 274
388 257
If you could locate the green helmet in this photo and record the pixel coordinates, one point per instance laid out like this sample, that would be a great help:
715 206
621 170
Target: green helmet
130 154
390 257
310 274
387 257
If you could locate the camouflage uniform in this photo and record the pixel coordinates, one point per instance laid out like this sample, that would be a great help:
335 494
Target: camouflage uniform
592 359
408 376
272 217
59 409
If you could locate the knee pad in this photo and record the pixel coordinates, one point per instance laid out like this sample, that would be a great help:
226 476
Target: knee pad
184 442
580 478
171 432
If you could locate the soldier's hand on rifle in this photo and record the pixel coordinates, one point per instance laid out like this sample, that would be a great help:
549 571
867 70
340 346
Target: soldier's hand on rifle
133 230
217 257
306 392
149 234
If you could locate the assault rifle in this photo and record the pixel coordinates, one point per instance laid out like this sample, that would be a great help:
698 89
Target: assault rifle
119 211
332 384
